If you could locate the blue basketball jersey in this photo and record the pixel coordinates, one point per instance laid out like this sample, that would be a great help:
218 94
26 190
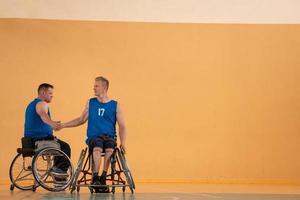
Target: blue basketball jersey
102 119
34 125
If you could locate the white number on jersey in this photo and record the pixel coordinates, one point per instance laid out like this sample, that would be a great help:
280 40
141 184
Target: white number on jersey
101 111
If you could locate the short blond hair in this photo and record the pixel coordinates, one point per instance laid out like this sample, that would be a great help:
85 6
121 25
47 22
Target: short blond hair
103 80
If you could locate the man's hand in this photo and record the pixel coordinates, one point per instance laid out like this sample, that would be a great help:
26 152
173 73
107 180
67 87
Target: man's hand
123 148
56 125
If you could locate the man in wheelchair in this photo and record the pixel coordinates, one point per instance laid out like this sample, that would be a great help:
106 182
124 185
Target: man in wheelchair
102 114
39 127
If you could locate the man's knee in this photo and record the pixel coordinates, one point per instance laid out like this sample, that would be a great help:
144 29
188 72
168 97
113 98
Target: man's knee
97 150
109 151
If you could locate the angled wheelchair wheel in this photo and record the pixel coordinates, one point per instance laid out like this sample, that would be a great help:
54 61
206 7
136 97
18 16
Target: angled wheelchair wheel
20 173
43 165
126 170
73 184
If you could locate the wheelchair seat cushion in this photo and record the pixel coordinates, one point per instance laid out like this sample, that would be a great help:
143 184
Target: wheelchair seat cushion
41 144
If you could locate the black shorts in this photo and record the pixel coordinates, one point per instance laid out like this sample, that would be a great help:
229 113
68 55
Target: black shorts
103 141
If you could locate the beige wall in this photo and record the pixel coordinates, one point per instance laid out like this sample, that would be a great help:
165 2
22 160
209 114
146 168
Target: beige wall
187 11
203 102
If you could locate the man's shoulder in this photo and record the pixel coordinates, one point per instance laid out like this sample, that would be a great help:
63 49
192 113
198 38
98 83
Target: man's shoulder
36 102
42 105
92 99
114 100
41 102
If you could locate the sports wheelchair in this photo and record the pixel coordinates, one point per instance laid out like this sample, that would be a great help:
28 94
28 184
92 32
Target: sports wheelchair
33 166
119 176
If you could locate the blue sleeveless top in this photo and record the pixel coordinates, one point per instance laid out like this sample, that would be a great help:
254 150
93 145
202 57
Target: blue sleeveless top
102 119
34 125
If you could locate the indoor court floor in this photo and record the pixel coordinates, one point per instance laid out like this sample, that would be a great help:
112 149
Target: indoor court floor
169 192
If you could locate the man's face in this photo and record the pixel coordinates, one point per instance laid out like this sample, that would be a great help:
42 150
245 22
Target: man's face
48 95
99 88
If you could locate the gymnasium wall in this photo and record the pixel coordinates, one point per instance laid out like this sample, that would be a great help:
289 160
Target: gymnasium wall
203 102
210 89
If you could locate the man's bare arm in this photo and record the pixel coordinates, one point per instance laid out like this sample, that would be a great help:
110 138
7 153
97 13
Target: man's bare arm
122 127
79 120
42 110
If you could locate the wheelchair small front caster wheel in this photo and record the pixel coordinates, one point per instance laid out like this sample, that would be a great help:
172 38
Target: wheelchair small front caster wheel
113 190
12 187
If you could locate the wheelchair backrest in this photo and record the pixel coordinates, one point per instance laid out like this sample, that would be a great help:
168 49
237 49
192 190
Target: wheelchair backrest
27 143
27 147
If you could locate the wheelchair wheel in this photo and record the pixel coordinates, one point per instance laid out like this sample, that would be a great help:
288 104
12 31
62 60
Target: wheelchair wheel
113 190
43 164
91 190
20 173
77 171
126 170
12 187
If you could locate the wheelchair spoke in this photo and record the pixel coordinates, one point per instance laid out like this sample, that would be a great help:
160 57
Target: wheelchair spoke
22 177
43 176
19 174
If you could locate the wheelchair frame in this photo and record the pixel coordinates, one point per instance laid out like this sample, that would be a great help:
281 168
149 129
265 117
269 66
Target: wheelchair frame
29 152
118 165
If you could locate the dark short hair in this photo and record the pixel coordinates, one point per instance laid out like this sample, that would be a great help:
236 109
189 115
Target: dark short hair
103 80
44 87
